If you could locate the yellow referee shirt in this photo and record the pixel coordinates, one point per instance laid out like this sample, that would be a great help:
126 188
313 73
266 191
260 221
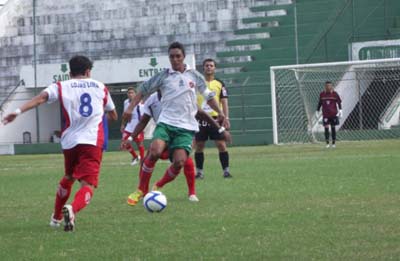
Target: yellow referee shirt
218 87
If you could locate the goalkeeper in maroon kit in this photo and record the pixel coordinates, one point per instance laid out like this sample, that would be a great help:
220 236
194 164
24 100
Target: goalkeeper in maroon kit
331 105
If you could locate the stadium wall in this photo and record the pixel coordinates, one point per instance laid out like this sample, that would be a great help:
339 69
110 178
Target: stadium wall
247 36
26 124
343 22
110 30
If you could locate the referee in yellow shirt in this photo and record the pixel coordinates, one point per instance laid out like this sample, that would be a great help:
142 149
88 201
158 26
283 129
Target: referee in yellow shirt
206 131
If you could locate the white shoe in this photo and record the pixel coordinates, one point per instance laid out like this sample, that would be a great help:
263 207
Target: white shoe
333 146
54 222
135 161
327 146
69 218
193 198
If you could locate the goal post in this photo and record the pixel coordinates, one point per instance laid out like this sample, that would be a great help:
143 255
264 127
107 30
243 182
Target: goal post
370 93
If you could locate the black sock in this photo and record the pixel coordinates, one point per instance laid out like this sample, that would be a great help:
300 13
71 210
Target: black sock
327 135
333 129
224 159
199 158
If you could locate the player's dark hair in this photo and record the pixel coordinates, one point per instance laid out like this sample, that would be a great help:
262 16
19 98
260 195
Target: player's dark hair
79 64
130 89
209 60
328 82
177 45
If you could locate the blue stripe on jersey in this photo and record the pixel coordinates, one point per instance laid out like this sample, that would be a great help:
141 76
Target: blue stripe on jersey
138 111
105 128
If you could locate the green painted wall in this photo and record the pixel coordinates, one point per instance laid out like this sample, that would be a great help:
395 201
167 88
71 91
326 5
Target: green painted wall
325 28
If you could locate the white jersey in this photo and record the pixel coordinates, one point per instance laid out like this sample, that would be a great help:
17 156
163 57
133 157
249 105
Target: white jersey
83 103
179 100
136 116
126 104
152 107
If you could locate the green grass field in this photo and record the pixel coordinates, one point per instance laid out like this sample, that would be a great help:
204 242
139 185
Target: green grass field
291 202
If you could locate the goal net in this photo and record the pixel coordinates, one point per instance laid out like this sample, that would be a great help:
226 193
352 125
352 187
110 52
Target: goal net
370 93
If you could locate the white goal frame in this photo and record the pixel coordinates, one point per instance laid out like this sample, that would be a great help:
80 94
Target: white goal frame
274 104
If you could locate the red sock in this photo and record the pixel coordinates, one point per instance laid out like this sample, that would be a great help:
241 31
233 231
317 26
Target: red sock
131 150
141 151
169 175
62 195
189 171
82 198
145 174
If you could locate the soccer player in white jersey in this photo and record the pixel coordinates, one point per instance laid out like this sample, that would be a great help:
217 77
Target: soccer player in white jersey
152 109
176 124
83 102
128 127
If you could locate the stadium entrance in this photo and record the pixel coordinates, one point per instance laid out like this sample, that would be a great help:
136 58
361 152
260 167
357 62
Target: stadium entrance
117 74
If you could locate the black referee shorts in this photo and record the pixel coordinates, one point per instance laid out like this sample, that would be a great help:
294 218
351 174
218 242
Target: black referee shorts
207 132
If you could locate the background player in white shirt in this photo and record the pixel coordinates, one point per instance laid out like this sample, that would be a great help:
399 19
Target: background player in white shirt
128 127
83 102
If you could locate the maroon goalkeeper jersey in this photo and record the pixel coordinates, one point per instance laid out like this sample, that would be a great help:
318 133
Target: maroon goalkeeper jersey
330 101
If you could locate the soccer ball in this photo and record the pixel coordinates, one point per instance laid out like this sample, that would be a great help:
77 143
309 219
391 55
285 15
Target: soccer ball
155 201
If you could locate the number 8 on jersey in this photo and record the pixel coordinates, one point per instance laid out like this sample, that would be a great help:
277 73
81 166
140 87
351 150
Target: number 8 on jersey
86 108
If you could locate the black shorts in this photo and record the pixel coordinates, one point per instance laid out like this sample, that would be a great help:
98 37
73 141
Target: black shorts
330 121
208 132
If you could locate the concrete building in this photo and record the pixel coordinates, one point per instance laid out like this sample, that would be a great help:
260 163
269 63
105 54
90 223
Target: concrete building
103 30
246 37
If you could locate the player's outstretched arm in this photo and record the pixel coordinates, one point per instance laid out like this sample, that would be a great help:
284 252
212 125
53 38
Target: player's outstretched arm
34 102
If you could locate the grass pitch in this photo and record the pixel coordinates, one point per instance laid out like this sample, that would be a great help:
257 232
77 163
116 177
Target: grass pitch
291 202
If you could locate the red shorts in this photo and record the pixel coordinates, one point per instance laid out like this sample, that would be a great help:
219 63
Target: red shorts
137 139
82 162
